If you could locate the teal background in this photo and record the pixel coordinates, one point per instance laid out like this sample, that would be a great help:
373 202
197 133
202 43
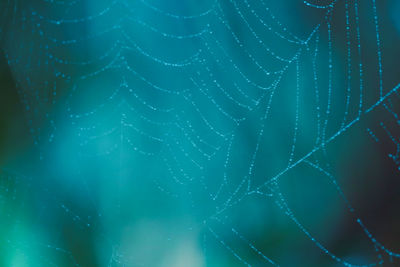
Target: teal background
133 133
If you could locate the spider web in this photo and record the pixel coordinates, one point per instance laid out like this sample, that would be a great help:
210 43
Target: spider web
209 126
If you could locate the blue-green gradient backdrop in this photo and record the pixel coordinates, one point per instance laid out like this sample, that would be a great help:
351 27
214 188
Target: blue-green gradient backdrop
199 133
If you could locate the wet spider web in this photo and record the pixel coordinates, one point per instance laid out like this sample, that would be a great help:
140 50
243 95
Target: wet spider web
219 107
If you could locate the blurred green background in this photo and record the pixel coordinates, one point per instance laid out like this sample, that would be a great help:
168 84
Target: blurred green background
199 133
